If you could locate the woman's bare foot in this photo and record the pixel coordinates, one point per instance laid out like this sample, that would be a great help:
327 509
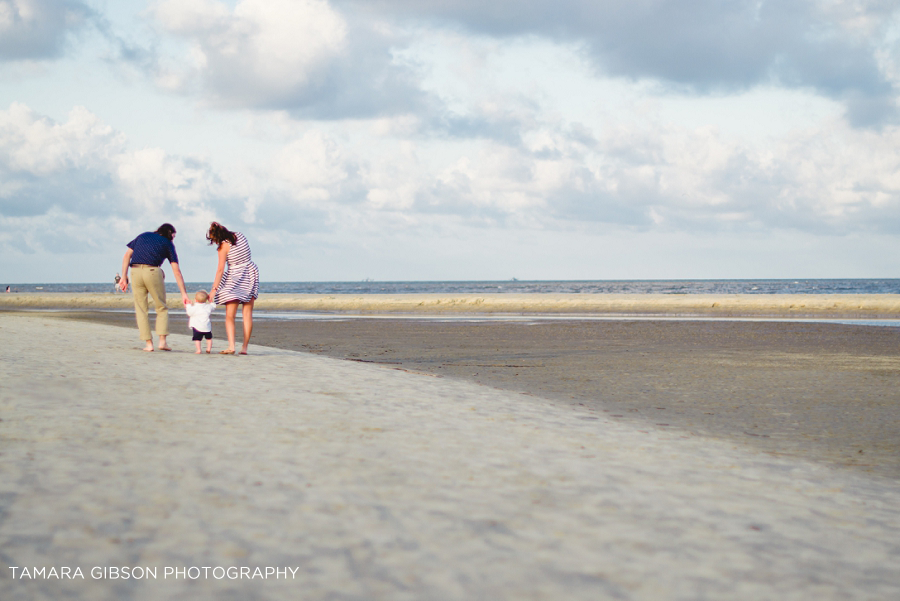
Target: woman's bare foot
165 348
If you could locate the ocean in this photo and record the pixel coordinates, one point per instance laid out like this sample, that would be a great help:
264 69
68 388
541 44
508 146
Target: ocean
782 286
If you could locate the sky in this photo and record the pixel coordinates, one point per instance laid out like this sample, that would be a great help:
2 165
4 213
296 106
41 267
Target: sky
454 139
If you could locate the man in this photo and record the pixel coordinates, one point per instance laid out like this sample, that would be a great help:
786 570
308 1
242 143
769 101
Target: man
145 256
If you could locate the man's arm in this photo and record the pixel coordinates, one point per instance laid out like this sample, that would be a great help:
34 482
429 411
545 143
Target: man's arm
126 263
180 281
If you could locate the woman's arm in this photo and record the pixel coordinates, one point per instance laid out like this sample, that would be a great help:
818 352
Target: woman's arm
126 263
220 270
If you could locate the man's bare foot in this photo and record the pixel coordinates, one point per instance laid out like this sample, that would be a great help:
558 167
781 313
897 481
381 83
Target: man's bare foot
149 347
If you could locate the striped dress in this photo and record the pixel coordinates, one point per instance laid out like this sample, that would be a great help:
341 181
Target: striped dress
241 280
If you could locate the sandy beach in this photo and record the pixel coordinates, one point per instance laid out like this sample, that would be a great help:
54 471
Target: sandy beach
818 391
386 482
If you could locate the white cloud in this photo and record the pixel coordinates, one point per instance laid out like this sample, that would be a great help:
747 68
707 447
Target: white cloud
314 165
156 182
37 145
263 52
295 55
58 175
832 179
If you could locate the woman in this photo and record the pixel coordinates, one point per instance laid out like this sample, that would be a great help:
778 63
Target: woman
145 256
238 285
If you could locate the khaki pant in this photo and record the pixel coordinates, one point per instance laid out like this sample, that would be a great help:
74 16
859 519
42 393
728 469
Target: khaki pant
152 281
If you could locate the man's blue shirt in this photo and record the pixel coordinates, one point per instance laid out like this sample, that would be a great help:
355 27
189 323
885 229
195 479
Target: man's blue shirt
152 249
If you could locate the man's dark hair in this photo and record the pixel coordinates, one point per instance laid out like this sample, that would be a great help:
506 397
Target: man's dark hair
166 230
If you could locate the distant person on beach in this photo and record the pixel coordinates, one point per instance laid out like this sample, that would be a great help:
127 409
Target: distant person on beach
117 279
238 285
199 312
145 256
7 288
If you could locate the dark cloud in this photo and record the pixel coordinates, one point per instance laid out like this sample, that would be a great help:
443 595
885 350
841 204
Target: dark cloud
504 128
871 111
281 211
701 45
41 29
82 191
628 207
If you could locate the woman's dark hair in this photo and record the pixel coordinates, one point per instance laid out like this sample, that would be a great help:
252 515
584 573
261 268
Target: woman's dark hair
166 230
218 234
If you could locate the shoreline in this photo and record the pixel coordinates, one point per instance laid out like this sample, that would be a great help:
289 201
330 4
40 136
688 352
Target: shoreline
838 306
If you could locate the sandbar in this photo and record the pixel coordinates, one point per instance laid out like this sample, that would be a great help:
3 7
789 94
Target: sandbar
731 305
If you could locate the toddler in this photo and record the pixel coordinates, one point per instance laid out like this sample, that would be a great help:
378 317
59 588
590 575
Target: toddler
200 323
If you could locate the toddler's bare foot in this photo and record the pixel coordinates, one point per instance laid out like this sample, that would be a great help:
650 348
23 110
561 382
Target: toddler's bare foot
199 353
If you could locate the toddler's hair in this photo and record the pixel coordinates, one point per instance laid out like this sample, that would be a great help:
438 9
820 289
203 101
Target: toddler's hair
202 296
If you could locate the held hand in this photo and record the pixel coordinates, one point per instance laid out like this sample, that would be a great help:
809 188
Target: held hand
185 299
123 284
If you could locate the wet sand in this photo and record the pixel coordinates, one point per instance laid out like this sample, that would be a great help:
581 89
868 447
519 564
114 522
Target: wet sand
823 392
